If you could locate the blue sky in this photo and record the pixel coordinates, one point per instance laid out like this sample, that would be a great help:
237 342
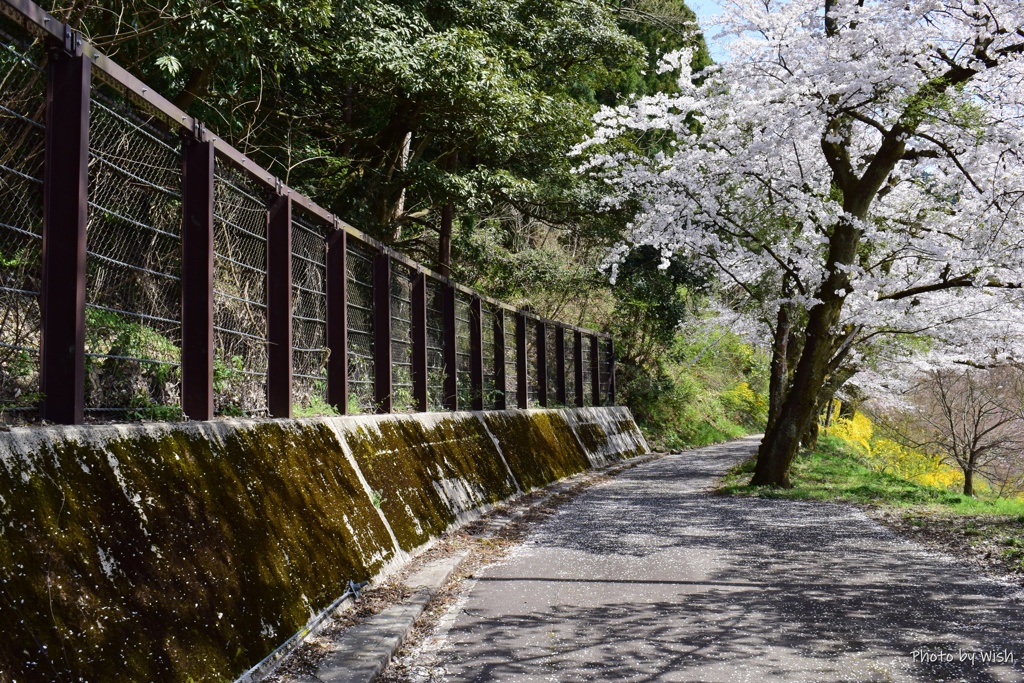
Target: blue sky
705 9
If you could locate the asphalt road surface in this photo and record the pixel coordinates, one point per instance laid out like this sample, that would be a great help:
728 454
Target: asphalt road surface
650 577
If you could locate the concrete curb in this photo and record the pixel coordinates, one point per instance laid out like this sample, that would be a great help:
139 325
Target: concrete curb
362 654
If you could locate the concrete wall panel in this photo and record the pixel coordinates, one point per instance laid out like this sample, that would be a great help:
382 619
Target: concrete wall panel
179 552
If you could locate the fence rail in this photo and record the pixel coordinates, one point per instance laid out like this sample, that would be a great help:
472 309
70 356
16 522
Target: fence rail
148 269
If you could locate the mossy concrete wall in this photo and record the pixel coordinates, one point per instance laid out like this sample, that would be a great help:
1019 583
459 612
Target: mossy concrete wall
187 552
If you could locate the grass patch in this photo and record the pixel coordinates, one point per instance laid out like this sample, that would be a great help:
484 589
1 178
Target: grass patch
833 472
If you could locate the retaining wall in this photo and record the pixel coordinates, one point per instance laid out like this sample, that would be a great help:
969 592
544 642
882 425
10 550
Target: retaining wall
187 552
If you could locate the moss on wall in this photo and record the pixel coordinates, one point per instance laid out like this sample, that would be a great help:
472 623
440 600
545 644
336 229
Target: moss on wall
538 445
178 554
427 471
607 434
189 552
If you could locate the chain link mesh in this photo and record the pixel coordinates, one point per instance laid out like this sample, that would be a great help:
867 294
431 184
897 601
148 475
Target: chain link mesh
309 315
133 328
588 391
133 265
487 347
570 368
401 339
602 370
532 383
359 281
511 369
465 390
22 129
435 346
552 363
239 297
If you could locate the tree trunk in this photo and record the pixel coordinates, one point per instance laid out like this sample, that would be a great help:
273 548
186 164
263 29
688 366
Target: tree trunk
346 145
969 482
403 162
197 86
782 441
444 242
810 440
826 399
383 190
778 376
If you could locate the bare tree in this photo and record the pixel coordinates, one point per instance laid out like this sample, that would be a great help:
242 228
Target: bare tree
969 418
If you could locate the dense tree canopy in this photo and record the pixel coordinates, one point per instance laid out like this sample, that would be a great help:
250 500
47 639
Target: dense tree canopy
444 128
419 122
856 169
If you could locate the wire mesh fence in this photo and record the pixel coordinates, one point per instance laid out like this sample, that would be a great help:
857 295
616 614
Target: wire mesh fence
133 265
435 346
401 339
552 366
239 297
489 388
511 368
570 368
532 384
588 391
359 283
462 362
132 357
309 316
22 128
602 372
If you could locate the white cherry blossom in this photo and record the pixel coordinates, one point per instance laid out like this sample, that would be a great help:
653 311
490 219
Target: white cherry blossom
859 165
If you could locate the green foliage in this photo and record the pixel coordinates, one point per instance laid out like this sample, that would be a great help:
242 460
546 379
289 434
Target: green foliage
313 406
227 378
836 471
689 381
660 26
354 406
131 366
705 387
386 112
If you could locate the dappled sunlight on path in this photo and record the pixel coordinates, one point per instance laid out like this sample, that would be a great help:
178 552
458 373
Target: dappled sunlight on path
650 577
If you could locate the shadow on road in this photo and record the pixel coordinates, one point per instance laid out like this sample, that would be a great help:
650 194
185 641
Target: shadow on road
651 578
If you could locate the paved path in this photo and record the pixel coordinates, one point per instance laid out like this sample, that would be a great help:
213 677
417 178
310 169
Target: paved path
650 578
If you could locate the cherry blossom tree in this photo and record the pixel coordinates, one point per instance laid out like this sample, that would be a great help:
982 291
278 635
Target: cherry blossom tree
857 169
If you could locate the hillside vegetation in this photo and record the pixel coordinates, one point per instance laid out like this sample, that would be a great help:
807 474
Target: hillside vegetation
705 389
445 128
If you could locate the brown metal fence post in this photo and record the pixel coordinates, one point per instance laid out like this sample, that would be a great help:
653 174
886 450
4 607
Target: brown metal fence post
197 278
337 321
500 402
64 286
449 350
382 331
65 214
279 306
542 365
611 371
419 341
560 365
476 354
522 364
577 361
